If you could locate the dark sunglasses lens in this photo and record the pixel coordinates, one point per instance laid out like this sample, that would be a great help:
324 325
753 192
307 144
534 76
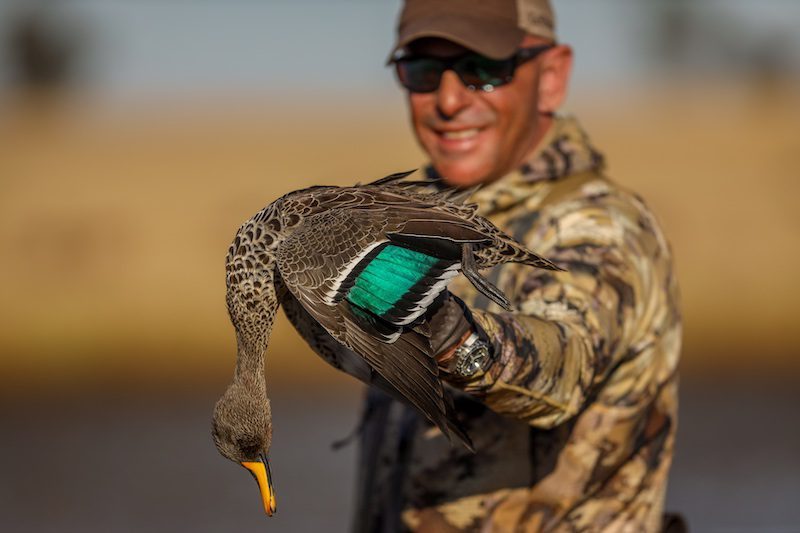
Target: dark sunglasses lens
479 72
420 74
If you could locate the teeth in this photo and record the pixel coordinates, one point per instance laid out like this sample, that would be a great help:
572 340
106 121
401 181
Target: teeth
461 134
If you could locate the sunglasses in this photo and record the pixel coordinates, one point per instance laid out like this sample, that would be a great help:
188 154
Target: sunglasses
423 74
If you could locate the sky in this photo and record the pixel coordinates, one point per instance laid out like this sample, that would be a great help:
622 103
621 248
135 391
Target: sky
134 50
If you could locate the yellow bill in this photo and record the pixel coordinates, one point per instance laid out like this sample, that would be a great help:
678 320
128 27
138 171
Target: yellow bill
260 470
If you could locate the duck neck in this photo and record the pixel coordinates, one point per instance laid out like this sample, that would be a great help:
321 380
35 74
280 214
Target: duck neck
250 367
253 328
251 355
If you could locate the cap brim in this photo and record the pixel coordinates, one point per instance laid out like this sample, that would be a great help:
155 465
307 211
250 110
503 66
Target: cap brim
495 39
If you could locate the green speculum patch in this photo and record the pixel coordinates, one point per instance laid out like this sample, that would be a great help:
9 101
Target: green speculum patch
388 277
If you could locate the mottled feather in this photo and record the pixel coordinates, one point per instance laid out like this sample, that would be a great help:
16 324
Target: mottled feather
313 244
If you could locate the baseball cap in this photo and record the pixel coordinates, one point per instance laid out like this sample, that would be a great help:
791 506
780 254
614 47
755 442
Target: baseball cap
493 28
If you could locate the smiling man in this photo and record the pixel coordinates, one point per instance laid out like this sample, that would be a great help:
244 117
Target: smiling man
571 400
473 134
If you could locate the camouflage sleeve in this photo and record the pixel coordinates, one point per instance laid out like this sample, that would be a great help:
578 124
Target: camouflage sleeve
572 329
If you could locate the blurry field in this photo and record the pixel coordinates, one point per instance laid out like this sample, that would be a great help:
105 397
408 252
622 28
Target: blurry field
114 222
114 339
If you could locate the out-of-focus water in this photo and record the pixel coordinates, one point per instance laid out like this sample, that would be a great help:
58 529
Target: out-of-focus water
149 465
108 465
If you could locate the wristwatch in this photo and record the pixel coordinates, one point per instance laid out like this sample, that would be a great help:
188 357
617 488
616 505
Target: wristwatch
471 357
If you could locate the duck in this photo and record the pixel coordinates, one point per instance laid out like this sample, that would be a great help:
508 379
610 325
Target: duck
357 270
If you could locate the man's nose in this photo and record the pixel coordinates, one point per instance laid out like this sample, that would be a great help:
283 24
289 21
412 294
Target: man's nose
452 95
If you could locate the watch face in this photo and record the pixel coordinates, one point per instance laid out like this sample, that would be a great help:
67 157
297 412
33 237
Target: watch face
472 359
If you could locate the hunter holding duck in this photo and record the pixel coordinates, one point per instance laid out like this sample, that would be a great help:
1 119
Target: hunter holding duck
571 399
540 395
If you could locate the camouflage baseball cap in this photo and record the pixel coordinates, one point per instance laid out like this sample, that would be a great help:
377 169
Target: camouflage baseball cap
493 28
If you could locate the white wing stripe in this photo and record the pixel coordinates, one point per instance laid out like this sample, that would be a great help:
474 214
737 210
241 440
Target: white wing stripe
330 294
431 294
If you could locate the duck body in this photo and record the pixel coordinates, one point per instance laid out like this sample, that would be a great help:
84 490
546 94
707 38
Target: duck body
360 266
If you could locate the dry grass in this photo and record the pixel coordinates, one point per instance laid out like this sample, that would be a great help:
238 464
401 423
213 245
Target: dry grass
114 223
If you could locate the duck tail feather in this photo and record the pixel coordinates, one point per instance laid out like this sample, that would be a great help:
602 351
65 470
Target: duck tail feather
529 258
411 184
391 178
470 269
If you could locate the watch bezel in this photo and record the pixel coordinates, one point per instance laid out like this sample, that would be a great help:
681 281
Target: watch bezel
471 357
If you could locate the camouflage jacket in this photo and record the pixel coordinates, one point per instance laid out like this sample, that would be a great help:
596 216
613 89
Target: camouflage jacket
574 420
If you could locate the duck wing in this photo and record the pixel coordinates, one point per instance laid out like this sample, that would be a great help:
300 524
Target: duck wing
340 356
336 264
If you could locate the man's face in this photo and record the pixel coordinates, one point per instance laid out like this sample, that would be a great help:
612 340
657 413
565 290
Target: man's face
476 136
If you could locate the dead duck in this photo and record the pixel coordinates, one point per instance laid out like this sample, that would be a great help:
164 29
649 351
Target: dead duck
354 266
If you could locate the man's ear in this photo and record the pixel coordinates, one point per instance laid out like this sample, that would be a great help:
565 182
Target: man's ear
554 78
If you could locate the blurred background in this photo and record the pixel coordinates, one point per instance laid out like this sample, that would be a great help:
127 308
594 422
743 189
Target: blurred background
135 137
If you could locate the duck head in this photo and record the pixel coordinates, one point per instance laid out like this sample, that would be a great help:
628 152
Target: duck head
242 432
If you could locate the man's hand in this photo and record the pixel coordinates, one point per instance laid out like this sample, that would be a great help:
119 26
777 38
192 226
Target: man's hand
449 329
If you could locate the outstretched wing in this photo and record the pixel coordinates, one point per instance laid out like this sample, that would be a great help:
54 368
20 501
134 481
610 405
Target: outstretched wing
326 264
331 350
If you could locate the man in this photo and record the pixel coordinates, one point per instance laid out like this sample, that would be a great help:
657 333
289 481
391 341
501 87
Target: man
571 399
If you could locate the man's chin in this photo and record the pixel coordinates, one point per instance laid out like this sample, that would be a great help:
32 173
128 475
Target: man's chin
463 173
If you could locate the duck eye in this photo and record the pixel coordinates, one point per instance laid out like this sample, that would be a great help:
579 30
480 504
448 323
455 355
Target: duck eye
249 446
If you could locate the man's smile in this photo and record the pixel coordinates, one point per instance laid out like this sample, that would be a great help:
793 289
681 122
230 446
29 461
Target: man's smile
460 134
459 140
